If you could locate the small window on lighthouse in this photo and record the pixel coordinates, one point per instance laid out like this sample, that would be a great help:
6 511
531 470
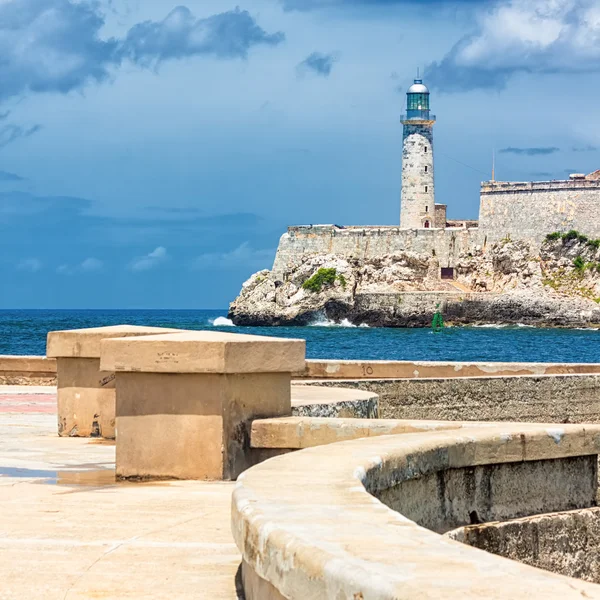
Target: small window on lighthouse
427 209
426 169
425 149
426 189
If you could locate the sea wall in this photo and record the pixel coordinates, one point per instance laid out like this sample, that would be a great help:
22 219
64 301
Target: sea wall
567 543
370 242
531 398
348 520
530 210
391 369
27 370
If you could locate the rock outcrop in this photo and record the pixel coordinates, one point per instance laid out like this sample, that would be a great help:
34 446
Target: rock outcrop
559 285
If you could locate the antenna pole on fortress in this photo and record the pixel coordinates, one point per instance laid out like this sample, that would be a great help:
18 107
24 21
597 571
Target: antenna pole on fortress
418 194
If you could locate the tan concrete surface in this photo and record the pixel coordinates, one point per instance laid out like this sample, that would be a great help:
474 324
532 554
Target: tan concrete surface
204 352
192 426
85 343
308 527
67 531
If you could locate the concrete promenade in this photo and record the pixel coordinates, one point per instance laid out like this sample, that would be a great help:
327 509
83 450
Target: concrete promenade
68 531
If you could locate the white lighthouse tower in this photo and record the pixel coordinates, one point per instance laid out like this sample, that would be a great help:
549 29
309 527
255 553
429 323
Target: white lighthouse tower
417 208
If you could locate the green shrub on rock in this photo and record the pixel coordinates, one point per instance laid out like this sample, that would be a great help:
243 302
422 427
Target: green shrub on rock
323 277
554 236
580 264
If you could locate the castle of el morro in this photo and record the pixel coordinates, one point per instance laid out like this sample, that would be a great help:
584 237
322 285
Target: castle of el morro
429 259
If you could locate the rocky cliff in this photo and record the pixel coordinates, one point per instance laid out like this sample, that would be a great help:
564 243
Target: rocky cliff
509 282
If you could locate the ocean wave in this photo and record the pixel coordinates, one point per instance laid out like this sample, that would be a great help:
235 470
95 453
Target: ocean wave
222 322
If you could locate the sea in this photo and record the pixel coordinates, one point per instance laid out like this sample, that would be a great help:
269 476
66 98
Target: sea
23 332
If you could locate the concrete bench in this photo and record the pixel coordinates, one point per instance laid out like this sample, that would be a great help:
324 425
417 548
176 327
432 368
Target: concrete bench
86 393
185 401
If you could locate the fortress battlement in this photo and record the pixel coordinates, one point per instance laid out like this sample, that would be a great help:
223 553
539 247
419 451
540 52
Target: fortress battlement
555 185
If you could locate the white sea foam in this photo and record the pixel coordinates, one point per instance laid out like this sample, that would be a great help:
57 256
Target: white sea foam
323 322
222 322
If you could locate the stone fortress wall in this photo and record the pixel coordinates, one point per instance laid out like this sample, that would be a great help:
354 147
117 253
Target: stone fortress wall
370 242
531 210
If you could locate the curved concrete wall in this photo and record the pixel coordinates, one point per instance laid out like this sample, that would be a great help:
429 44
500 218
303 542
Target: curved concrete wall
308 524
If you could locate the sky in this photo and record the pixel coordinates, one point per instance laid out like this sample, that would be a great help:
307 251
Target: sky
153 153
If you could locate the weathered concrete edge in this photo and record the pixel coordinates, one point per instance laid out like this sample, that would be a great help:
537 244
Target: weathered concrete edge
27 370
299 546
356 369
295 433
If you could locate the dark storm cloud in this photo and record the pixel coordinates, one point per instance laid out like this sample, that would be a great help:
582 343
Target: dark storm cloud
227 35
318 63
60 220
6 176
530 151
56 45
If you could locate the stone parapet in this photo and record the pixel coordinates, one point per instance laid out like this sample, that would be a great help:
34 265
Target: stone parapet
314 524
388 369
492 187
296 433
27 370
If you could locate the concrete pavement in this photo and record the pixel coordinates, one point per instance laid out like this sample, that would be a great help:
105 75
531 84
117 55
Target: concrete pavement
68 531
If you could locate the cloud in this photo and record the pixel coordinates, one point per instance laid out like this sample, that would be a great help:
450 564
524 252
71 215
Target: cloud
318 63
242 256
91 264
33 265
56 45
226 35
150 261
530 151
304 5
584 148
6 176
87 266
522 36
11 133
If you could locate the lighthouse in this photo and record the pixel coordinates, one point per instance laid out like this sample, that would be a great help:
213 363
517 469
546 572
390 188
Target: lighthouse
417 207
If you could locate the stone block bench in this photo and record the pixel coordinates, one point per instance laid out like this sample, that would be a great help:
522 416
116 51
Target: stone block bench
364 518
185 401
86 393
